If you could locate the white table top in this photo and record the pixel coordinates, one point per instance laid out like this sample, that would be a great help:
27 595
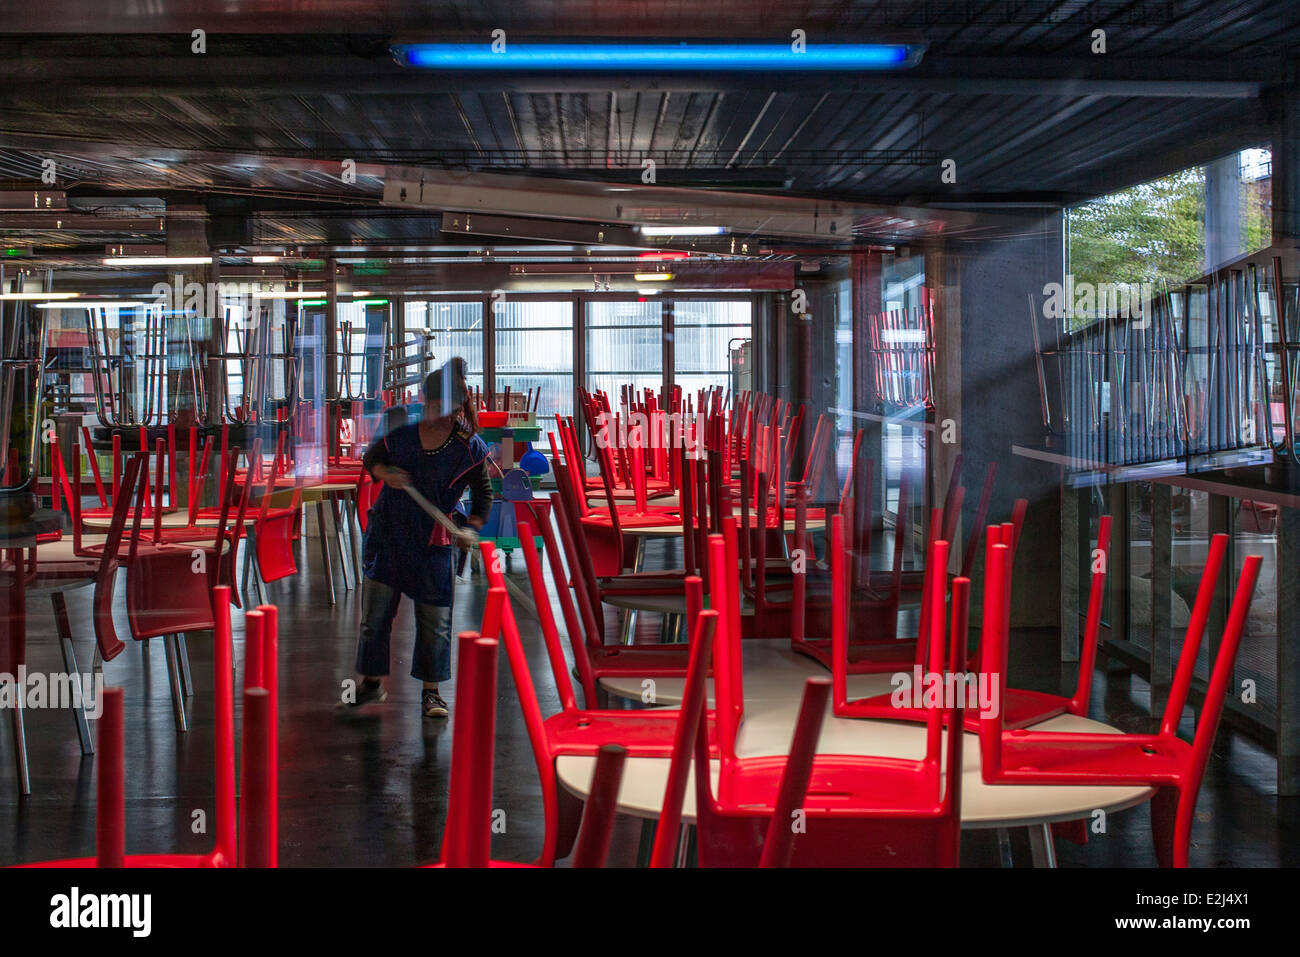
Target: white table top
170 520
675 530
774 677
674 604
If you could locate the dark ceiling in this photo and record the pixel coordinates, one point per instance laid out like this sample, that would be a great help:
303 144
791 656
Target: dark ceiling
1008 89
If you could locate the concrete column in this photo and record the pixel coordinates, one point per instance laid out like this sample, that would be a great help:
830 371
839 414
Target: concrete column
1070 572
1000 399
1285 103
865 297
945 390
1162 652
1222 211
1288 652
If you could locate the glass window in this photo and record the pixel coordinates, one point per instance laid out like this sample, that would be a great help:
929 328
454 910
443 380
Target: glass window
704 333
1255 533
454 328
624 346
534 348
845 424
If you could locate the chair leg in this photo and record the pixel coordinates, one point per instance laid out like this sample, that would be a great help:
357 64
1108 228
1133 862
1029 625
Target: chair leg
1005 857
1042 846
248 561
251 567
174 678
344 555
628 635
325 548
20 750
354 536
1164 817
187 682
70 666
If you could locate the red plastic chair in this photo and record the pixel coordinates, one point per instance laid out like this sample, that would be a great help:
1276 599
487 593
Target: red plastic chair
574 730
1021 708
169 592
875 647
594 659
467 835
275 531
1162 760
858 810
245 836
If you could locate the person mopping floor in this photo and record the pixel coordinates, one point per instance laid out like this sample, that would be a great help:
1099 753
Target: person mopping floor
405 551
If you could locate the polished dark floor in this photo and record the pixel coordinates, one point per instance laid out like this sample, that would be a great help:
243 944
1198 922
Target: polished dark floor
368 787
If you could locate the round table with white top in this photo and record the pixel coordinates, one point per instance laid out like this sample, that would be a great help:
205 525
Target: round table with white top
774 679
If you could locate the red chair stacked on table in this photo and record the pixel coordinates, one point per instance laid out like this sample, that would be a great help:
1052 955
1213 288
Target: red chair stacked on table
858 810
1162 760
1020 707
575 731
467 834
246 830
168 589
593 658
874 647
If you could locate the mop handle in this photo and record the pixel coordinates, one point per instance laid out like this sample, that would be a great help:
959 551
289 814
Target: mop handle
467 536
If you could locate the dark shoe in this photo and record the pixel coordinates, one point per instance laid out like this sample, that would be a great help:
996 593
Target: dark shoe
367 693
432 705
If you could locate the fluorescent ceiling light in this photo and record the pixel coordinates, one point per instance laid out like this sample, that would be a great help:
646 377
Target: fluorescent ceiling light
652 276
617 56
682 230
266 259
157 260
89 304
286 294
37 296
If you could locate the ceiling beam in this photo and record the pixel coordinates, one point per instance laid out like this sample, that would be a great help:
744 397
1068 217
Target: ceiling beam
32 74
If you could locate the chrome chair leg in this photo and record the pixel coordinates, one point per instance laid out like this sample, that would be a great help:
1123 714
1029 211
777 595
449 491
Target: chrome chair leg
20 750
174 679
187 682
73 671
326 560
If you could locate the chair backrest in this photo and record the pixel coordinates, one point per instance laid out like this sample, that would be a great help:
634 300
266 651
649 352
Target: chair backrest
467 835
110 783
994 639
499 621
110 646
546 616
724 596
778 845
601 809
1092 626
223 695
690 717
925 831
581 573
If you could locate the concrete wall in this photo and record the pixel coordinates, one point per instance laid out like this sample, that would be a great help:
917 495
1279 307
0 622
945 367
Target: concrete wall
985 286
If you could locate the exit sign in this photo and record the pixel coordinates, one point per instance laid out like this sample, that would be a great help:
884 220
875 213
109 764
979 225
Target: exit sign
18 251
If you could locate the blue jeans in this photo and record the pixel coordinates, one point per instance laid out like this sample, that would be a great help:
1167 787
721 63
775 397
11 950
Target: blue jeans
432 658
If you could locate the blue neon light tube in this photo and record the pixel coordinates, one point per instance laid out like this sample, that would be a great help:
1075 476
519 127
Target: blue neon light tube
616 57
